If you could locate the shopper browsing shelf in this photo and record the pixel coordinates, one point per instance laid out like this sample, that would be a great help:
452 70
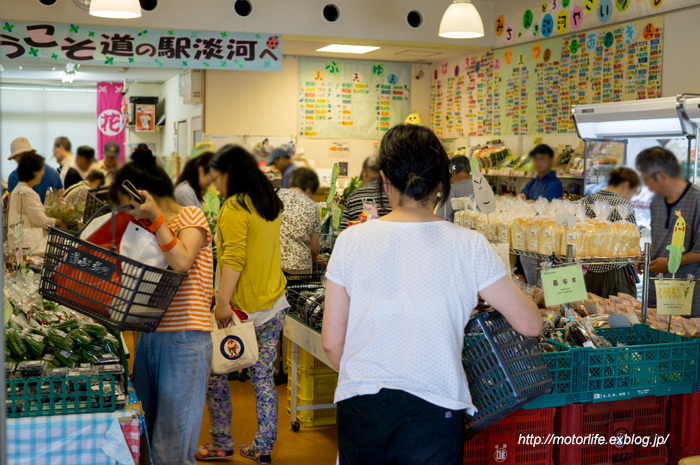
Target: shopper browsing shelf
77 193
301 223
194 181
109 164
50 179
607 280
400 292
368 194
661 173
280 159
545 183
63 155
25 204
248 247
84 161
171 365
461 186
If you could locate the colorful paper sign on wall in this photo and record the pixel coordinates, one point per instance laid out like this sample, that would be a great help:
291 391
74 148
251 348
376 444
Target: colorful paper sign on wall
563 285
145 118
338 148
110 124
674 297
125 46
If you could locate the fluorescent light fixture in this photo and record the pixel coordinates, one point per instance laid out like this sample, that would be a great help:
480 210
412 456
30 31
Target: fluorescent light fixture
116 9
69 73
337 48
667 127
461 21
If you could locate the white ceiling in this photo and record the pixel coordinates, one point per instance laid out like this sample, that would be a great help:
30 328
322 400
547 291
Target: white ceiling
93 73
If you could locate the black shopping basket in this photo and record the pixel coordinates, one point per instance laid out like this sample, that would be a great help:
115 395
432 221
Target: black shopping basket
505 370
117 291
92 205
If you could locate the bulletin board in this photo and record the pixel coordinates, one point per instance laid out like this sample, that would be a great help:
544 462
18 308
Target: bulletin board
351 99
531 88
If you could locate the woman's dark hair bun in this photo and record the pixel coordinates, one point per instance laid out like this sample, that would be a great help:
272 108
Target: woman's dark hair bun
143 156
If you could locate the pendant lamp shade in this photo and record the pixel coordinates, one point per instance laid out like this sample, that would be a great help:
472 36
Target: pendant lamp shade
122 9
461 21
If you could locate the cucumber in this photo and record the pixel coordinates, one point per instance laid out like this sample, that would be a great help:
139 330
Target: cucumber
81 337
67 324
60 339
111 344
94 329
15 343
35 343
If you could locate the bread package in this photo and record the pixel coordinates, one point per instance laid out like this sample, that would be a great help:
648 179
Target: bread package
550 237
518 233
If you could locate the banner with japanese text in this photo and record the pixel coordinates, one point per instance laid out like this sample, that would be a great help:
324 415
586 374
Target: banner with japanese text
124 46
110 124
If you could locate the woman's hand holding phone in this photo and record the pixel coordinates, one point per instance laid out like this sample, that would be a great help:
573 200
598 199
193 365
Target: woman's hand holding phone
148 210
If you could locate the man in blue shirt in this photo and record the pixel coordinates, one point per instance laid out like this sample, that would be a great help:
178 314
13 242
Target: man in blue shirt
545 184
280 159
51 178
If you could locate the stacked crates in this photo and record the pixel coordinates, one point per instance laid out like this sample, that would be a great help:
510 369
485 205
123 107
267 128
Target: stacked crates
316 384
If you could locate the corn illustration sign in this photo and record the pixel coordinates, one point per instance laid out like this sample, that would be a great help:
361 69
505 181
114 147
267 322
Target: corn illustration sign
676 248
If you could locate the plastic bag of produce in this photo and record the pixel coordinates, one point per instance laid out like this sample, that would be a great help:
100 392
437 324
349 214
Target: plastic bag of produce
60 339
34 341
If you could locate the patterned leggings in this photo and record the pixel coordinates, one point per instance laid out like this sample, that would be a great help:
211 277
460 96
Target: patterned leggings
266 403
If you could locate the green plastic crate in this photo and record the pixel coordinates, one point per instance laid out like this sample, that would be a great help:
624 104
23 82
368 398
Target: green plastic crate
653 363
34 397
564 365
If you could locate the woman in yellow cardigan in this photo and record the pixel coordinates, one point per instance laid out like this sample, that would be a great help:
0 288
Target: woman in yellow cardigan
248 231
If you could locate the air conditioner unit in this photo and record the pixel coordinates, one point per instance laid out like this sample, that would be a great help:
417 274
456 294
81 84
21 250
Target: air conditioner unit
192 92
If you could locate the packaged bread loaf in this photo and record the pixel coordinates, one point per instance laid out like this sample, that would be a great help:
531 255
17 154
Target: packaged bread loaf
504 226
551 236
518 232
532 242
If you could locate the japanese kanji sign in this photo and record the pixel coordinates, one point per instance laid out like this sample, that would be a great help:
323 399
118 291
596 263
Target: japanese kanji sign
123 46
102 268
674 296
110 122
563 285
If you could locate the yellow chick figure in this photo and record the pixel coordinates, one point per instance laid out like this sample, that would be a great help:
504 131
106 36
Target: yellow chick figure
414 118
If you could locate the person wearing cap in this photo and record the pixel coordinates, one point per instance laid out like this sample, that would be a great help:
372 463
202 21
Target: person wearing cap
50 179
63 155
109 164
280 159
84 161
461 186
545 183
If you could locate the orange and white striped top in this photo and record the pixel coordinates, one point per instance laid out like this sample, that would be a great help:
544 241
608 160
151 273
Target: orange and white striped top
191 306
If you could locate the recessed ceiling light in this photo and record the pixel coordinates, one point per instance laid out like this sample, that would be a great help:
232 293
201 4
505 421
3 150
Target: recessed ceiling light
336 48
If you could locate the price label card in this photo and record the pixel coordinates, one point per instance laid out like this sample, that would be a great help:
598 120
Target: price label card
566 219
563 285
674 296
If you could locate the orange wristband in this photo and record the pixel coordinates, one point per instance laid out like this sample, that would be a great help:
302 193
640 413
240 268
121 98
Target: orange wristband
169 245
157 223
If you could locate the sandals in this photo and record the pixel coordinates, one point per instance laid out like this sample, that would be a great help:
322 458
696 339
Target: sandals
209 452
249 452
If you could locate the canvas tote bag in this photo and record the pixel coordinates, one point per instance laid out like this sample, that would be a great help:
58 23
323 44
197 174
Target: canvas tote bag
235 347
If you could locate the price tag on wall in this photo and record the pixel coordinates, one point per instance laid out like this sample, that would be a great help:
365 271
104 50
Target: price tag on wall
674 296
563 285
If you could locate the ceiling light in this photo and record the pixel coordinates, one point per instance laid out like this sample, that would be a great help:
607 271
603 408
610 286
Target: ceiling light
359 49
121 9
461 21
70 72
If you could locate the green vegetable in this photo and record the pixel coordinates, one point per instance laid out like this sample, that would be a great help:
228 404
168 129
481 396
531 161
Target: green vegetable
67 324
15 343
35 343
65 358
111 344
94 329
80 336
60 339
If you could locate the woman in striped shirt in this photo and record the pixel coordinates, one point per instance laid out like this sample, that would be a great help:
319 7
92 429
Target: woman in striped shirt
171 365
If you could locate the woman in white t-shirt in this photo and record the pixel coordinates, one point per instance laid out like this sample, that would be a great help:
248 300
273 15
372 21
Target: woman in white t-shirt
400 292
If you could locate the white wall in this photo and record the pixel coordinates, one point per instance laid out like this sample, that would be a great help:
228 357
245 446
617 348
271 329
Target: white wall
176 111
681 63
264 104
360 19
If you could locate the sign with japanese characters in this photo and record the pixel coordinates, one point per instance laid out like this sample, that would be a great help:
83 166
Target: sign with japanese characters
351 99
102 268
110 121
674 296
124 46
563 285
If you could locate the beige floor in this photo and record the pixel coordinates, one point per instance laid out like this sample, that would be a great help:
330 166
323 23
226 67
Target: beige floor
309 446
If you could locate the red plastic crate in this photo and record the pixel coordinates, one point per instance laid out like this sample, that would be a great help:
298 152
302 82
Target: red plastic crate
498 444
643 416
684 425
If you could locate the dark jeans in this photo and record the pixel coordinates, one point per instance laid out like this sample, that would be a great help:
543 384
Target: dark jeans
397 428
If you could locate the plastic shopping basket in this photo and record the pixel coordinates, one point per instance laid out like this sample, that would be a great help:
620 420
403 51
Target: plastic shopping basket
117 291
92 205
308 306
505 370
